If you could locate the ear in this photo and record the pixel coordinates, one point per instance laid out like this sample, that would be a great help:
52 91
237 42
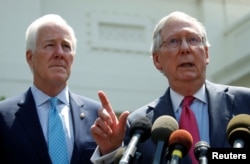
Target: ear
207 55
156 60
29 58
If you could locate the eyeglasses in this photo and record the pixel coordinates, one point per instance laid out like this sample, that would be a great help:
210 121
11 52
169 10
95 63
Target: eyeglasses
175 41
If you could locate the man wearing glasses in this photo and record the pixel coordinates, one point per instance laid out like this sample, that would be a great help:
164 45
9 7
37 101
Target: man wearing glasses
180 52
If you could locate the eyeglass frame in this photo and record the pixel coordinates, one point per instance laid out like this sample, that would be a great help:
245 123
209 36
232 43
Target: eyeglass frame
164 43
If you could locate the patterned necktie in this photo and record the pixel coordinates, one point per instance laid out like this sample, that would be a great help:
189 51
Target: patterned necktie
56 136
189 123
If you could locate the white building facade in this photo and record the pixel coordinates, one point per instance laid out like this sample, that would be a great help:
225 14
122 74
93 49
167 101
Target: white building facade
114 38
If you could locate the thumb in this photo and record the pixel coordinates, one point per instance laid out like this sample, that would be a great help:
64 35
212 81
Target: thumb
123 119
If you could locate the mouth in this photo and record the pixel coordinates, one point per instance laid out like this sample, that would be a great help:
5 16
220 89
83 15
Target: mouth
58 66
186 65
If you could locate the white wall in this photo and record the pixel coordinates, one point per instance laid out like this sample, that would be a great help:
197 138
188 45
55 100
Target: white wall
113 44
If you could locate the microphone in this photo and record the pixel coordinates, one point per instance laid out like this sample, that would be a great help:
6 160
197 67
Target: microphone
200 151
180 142
140 131
238 131
161 130
118 155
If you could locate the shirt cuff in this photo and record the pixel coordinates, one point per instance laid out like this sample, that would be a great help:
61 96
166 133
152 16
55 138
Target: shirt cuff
96 158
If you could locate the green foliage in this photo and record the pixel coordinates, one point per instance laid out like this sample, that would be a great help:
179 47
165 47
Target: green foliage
2 98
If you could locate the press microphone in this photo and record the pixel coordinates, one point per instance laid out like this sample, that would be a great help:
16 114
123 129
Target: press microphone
118 155
161 130
140 131
180 142
200 151
238 131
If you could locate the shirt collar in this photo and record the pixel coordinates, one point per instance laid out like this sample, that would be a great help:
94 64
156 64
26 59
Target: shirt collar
176 98
40 97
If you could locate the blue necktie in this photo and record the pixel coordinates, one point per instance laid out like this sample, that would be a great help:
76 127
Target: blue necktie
56 136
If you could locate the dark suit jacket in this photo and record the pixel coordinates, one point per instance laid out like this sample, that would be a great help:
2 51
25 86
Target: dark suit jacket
21 136
223 102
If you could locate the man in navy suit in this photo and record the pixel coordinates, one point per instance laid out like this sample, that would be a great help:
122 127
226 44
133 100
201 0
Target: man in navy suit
50 51
180 52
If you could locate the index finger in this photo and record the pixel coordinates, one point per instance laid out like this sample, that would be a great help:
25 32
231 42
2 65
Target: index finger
106 104
104 99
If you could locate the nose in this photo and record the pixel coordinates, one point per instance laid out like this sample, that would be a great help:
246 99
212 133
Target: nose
184 47
59 51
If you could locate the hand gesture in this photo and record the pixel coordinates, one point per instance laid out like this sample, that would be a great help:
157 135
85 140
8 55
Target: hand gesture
108 131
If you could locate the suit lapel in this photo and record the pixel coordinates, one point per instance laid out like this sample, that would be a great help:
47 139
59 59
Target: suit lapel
220 112
29 118
162 106
78 115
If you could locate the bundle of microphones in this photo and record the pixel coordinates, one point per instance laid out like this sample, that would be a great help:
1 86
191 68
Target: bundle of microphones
172 143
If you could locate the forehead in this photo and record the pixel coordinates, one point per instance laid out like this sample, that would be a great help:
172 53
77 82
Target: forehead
53 31
179 25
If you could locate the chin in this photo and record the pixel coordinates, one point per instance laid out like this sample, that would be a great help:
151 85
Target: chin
61 78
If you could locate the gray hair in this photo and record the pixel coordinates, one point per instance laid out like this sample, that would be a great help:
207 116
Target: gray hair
32 30
157 38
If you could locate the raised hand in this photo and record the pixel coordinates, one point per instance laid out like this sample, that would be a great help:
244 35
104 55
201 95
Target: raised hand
108 131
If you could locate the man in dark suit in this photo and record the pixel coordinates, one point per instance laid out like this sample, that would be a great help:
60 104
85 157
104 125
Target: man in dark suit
24 136
224 102
179 51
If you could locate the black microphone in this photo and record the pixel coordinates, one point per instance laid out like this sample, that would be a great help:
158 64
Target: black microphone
161 130
140 131
180 142
238 131
200 151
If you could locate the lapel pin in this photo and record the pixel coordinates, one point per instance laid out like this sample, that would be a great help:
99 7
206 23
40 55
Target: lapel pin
82 115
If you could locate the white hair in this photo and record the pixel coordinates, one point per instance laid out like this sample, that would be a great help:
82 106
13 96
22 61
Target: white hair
32 30
157 38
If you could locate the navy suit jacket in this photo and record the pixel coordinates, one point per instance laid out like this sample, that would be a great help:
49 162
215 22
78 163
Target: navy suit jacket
223 102
21 136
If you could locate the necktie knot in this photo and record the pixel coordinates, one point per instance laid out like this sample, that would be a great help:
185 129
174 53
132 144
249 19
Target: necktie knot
53 102
187 101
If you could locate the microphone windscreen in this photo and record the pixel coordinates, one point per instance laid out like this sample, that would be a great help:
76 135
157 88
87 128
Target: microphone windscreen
118 155
200 148
201 144
142 125
163 127
181 137
239 128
